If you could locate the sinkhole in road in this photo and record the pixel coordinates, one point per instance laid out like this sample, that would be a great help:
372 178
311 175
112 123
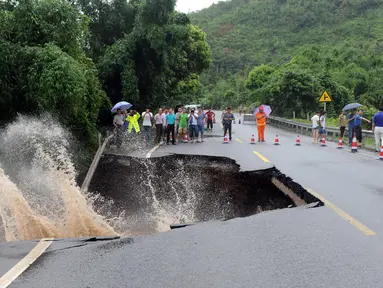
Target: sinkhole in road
149 195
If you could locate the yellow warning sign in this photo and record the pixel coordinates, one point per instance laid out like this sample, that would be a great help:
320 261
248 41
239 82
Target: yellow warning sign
325 97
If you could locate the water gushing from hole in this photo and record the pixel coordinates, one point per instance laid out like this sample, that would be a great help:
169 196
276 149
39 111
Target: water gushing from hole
175 209
40 198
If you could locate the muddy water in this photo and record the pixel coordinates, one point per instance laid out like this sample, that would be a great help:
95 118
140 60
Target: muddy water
39 196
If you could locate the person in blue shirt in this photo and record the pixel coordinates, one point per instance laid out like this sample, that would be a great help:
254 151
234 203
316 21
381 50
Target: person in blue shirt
358 125
170 120
377 128
351 117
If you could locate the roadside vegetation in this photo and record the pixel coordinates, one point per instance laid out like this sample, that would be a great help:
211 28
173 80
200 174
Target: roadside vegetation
74 59
285 53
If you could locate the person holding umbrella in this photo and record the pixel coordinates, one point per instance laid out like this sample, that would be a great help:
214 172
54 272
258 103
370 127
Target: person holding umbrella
358 125
119 119
118 122
351 117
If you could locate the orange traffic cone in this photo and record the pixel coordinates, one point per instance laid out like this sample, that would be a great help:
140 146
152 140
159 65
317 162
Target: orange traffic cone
252 141
298 141
381 154
171 137
354 146
323 142
340 143
225 139
186 138
276 141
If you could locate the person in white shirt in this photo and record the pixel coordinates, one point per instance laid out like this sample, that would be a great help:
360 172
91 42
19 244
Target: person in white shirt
118 122
193 121
147 117
165 125
322 120
315 126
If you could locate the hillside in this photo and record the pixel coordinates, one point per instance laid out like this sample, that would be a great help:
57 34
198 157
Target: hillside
336 33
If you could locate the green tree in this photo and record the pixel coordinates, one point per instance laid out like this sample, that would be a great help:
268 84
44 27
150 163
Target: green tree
153 64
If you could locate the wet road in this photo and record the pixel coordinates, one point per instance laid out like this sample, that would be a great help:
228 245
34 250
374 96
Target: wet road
286 248
352 182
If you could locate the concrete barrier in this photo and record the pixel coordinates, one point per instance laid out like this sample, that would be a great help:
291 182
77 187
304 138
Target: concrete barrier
96 160
333 133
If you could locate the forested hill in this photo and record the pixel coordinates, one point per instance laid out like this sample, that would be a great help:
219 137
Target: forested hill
341 40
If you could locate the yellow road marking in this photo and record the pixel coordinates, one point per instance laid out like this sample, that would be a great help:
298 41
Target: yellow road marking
261 156
24 263
367 231
239 140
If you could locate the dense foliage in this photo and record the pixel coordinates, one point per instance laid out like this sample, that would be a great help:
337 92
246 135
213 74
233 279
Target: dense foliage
305 46
44 68
72 59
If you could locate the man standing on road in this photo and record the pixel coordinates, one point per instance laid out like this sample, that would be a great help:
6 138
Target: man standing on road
147 117
201 122
227 118
377 128
358 125
315 126
261 124
118 122
165 125
351 118
193 129
210 115
177 125
159 122
342 123
183 129
170 120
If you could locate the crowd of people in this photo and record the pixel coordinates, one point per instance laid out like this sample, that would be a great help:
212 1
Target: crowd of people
190 124
353 121
172 127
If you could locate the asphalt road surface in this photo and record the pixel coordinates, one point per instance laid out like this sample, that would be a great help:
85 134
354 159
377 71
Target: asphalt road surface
319 247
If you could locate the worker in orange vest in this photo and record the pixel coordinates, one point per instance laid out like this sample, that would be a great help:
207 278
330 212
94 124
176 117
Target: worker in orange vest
261 123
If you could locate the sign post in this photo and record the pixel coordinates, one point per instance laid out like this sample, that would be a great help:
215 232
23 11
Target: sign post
325 98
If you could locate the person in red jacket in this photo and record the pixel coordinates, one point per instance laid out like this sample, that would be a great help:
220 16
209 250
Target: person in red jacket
210 116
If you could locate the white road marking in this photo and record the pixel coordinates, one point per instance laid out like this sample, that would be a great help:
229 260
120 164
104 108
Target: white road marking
24 263
149 154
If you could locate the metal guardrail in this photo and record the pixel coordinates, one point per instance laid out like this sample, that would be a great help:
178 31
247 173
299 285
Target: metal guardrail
248 118
305 128
96 160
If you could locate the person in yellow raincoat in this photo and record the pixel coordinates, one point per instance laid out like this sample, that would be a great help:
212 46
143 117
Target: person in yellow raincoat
133 121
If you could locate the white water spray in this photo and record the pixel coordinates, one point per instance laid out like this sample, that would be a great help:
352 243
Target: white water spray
40 197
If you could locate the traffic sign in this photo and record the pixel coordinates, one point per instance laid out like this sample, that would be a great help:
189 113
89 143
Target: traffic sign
325 97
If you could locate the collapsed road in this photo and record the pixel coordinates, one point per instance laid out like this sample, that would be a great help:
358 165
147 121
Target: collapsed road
156 193
297 247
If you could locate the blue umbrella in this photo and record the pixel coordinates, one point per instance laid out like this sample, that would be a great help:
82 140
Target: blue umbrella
352 106
121 105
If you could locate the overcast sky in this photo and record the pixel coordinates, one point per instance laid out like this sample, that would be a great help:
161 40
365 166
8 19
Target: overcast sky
193 5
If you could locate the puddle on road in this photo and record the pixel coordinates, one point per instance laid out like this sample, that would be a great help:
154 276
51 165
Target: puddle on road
149 195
